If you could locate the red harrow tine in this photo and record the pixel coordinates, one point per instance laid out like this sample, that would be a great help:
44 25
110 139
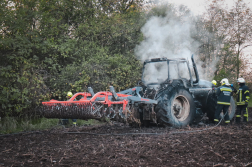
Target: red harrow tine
84 108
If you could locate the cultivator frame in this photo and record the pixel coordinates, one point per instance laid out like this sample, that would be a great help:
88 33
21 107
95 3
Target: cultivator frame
119 106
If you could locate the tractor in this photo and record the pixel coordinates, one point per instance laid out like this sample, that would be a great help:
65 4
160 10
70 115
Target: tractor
169 93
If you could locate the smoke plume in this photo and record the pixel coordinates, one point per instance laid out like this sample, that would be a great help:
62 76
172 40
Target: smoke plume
169 35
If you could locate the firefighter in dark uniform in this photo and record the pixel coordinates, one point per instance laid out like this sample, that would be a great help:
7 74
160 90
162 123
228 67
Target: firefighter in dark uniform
242 101
66 121
223 93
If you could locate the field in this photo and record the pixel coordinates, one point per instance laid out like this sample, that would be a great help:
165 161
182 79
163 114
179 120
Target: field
117 144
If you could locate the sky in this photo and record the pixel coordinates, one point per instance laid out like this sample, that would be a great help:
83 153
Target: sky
199 6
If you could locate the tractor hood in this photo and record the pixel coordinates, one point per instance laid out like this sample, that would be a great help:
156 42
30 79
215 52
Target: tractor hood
204 84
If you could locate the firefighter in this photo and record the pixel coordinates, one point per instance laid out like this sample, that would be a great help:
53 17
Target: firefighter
65 121
214 83
242 101
69 95
223 93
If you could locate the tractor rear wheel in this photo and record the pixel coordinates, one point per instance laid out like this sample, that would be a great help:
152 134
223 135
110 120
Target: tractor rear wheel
177 108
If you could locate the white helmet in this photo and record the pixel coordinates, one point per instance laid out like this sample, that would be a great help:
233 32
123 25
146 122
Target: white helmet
241 80
224 81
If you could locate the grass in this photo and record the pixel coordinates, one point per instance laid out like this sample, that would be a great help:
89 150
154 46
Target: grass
13 125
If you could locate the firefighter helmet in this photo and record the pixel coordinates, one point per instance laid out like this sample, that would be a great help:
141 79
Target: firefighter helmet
69 94
214 82
241 80
224 81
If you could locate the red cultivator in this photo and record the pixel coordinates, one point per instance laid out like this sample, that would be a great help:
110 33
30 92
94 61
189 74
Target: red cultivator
119 106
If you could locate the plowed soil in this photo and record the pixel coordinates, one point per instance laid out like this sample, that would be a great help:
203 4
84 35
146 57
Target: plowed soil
120 145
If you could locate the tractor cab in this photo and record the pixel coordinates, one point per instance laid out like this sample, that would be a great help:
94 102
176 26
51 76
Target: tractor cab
159 71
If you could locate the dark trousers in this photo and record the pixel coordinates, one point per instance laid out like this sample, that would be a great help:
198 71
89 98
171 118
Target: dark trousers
220 108
241 109
66 121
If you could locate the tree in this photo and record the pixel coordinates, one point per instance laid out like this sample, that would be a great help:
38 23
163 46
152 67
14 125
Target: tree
209 40
51 47
20 48
231 32
239 29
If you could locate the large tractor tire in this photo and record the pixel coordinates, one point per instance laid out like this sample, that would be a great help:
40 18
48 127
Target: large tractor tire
176 108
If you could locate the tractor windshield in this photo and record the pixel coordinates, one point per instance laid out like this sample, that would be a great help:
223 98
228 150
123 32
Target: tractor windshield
155 72
178 69
184 71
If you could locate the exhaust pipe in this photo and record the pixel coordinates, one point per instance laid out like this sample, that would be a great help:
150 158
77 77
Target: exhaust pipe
195 71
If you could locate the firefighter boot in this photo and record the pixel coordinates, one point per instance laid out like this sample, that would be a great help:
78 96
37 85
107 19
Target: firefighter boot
245 119
216 121
245 116
227 123
74 122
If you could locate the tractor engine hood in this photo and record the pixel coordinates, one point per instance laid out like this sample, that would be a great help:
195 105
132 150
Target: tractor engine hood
204 84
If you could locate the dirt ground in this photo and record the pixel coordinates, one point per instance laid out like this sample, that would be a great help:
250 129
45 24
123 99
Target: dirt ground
120 145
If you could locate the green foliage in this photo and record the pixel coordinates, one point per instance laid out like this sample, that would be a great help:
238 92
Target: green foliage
51 47
14 125
10 125
222 74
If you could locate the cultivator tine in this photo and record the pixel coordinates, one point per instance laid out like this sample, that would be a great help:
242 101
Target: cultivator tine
124 113
96 108
91 110
91 106
110 113
105 112
71 111
121 114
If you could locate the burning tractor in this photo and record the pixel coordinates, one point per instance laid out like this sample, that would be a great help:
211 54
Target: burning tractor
168 94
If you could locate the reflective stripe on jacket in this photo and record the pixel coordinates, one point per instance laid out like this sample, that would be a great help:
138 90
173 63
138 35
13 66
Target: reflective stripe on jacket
242 95
224 94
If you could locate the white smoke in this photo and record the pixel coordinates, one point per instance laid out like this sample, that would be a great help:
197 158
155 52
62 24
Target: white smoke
155 73
169 37
165 38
